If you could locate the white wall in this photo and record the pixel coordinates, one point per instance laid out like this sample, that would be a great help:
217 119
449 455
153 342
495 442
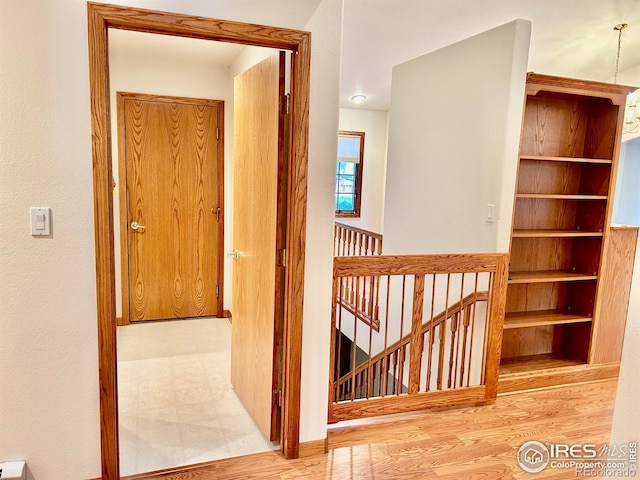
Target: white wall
626 206
49 412
326 41
162 71
454 131
49 406
374 124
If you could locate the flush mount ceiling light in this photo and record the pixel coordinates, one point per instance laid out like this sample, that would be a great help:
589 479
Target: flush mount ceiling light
358 98
632 109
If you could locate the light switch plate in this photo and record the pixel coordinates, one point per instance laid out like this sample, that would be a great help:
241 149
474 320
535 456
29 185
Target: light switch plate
40 221
491 213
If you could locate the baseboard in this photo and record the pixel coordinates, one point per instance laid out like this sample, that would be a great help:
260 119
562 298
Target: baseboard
226 314
554 377
315 447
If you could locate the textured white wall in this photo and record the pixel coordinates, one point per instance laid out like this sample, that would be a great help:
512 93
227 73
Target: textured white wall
375 125
326 33
49 406
48 341
454 130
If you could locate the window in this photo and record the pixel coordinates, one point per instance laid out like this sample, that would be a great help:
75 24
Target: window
349 174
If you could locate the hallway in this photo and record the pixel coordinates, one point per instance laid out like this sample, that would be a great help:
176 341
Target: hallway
176 403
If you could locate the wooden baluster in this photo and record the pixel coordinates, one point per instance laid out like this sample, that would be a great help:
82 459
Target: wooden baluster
369 365
454 330
401 360
395 370
466 320
443 334
431 332
440 356
338 334
385 363
402 352
458 320
473 326
355 346
416 335
486 331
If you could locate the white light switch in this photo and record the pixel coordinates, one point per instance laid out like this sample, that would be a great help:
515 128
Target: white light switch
40 221
491 211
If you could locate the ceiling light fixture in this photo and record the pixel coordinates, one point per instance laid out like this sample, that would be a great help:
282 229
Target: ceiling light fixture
631 110
358 98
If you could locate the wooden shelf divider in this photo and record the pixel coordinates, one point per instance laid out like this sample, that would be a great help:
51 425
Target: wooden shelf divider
547 158
543 276
544 233
561 196
540 318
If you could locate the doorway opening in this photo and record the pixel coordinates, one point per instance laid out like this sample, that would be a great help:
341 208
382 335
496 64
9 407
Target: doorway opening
101 19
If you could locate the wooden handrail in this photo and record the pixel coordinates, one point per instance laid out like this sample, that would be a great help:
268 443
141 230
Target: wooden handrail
432 323
353 241
368 233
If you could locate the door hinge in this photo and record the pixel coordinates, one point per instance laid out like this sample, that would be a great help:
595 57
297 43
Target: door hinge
282 257
216 212
217 291
285 104
217 133
277 397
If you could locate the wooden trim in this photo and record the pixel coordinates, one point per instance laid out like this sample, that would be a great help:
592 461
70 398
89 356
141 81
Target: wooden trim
415 264
355 213
424 400
315 447
497 304
537 82
296 239
122 179
615 278
553 377
103 224
122 202
101 17
227 314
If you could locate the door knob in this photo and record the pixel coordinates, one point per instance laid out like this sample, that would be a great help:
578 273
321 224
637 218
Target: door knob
137 226
233 254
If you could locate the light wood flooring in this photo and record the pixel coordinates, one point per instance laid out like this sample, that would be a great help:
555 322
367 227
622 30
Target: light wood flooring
478 442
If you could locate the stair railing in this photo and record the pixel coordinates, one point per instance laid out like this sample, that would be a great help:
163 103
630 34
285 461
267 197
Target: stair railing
439 339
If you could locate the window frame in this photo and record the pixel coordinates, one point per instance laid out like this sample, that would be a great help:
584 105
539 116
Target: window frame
355 213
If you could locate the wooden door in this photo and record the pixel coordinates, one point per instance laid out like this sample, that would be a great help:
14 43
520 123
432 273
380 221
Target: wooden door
256 237
171 223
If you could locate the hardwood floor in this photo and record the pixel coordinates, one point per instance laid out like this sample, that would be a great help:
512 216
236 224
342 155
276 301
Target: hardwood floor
478 442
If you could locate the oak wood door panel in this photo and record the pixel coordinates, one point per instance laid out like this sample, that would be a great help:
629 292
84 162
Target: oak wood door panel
257 94
171 235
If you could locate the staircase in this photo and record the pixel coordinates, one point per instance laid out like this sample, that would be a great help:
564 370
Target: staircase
374 377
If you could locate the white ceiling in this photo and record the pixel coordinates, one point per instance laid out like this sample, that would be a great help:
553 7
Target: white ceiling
571 38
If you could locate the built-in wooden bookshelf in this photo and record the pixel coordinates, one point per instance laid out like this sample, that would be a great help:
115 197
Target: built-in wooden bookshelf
563 201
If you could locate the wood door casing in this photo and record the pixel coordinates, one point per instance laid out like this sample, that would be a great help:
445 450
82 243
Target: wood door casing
255 228
171 175
103 17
